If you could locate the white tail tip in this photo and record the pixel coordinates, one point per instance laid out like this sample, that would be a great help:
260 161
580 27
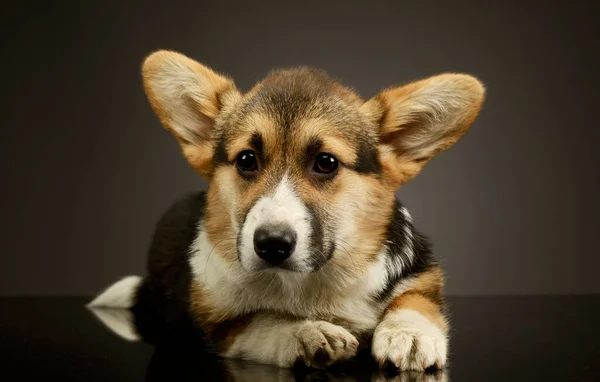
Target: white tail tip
119 295
119 321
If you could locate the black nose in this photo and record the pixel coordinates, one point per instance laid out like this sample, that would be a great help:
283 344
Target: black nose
274 243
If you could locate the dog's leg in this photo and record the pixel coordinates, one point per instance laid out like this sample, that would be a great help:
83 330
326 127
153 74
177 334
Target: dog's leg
269 339
413 332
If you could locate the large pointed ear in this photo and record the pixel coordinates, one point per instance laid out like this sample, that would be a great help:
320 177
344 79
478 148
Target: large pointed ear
421 119
187 97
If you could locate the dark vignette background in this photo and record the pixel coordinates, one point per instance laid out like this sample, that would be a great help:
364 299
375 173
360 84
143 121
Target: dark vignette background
87 169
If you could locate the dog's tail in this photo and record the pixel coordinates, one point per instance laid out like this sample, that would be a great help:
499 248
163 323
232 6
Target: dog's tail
112 307
121 294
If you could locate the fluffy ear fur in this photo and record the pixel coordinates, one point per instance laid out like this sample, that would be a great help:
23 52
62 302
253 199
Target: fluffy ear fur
187 97
421 119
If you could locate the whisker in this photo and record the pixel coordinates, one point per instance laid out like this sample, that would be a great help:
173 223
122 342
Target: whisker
211 251
270 283
348 252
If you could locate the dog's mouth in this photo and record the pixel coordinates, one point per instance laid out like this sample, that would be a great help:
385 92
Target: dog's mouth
286 266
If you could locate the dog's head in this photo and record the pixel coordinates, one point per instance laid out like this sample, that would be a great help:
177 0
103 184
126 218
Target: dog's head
302 171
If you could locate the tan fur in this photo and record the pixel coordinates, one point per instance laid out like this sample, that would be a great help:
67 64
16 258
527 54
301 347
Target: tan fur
430 283
333 139
422 119
199 92
372 207
253 123
394 134
418 302
219 226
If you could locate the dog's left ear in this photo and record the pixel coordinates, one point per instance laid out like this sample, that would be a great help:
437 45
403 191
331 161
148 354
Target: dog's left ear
187 97
421 119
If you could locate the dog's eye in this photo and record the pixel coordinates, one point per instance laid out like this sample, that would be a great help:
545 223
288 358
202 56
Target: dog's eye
325 164
246 161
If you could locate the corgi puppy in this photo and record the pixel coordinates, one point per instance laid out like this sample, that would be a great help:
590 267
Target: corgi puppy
299 251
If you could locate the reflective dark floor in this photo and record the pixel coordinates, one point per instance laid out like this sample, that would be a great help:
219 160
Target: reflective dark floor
493 339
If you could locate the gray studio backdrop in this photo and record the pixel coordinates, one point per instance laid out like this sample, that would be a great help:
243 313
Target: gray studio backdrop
87 169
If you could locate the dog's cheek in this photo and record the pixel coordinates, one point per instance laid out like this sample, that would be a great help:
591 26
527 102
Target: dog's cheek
221 222
233 195
342 204
363 208
375 206
228 192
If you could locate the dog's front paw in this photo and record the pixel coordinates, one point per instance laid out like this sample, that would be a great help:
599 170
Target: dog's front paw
322 343
409 341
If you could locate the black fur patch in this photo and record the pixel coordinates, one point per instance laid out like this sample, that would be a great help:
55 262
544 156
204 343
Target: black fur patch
316 241
257 143
313 148
368 159
397 239
162 301
220 156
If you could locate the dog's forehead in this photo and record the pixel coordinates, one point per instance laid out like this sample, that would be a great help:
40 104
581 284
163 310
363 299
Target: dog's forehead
296 114
290 99
306 85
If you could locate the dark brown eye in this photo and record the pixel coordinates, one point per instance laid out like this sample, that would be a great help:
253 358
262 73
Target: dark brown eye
325 164
246 161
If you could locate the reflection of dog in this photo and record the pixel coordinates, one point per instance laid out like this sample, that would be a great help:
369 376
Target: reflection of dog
242 371
299 249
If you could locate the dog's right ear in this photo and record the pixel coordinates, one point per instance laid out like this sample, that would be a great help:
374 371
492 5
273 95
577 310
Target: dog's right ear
187 97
